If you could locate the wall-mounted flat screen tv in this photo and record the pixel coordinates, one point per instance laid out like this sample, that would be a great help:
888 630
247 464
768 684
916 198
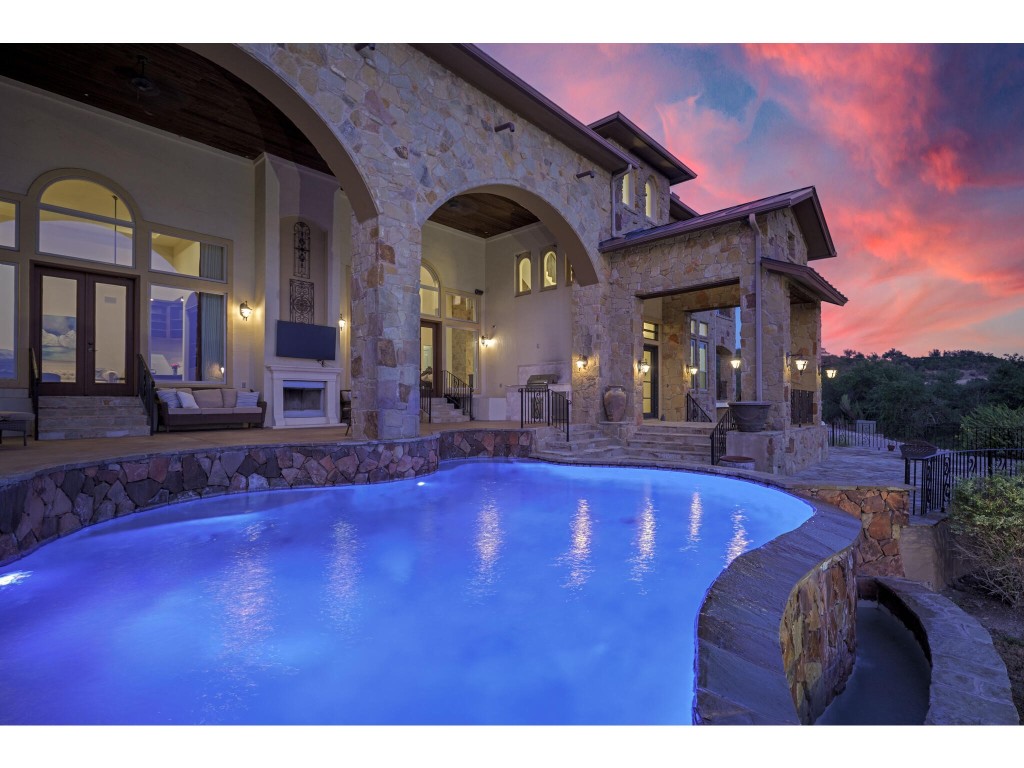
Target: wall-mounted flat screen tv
310 342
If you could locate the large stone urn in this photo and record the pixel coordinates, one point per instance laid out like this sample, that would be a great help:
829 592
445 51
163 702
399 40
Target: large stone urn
750 416
614 402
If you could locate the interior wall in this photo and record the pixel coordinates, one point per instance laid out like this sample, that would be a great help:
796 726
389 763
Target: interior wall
528 330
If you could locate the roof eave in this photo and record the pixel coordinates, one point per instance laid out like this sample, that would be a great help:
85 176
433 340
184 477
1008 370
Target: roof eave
682 171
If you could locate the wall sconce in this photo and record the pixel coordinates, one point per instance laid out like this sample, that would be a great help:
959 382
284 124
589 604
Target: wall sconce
831 372
800 363
486 341
694 370
581 362
643 366
735 362
244 310
341 321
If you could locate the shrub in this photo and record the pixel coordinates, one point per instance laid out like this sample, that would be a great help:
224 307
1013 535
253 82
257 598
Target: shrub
987 523
992 426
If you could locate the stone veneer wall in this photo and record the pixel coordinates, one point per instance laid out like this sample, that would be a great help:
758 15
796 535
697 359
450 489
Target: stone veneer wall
785 452
52 502
776 633
883 513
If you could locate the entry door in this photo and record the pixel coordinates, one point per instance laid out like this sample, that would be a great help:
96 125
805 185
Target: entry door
650 382
430 355
83 332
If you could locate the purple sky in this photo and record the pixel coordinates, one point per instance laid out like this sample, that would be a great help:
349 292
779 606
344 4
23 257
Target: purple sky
916 152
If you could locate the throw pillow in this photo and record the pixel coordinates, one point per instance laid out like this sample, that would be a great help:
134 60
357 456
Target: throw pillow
247 399
187 400
169 396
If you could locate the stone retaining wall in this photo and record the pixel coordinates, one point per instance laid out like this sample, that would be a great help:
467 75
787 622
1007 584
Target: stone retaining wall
55 501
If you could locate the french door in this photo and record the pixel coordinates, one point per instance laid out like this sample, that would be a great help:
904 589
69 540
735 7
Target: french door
650 382
84 331
430 355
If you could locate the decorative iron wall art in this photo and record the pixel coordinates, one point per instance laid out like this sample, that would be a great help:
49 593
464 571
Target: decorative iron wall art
300 301
300 245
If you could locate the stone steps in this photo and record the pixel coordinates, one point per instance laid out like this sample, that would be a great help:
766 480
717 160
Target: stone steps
443 412
73 418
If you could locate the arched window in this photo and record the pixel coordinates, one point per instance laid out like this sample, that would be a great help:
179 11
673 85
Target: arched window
649 205
627 189
524 274
550 271
430 292
85 220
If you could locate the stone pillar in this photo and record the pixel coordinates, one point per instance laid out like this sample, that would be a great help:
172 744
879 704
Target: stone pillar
385 329
775 342
675 356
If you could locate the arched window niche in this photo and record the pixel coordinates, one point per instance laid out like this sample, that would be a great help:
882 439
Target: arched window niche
83 219
549 270
430 291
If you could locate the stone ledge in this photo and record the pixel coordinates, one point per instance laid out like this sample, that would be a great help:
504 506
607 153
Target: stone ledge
744 674
969 684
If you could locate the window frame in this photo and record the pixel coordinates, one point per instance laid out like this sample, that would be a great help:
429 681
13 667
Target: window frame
17 223
526 256
627 190
436 287
131 224
15 306
553 252
465 295
183 234
650 205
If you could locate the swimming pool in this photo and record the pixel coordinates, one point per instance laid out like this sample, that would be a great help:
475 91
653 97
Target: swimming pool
489 592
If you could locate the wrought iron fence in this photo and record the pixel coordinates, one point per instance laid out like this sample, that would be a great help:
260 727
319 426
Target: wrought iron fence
718 435
426 401
934 478
541 405
801 406
944 435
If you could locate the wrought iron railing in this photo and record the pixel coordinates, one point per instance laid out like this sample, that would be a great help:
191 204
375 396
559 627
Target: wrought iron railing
457 392
147 391
801 407
718 435
935 477
426 401
694 411
34 377
945 435
541 405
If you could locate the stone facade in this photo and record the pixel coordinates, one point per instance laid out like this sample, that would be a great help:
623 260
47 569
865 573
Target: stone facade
783 452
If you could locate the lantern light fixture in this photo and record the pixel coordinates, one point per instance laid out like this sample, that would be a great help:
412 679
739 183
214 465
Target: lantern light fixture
831 372
735 362
245 310
643 366
581 362
341 321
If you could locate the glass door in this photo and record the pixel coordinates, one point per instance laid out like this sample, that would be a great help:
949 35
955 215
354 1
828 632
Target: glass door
430 356
650 382
83 332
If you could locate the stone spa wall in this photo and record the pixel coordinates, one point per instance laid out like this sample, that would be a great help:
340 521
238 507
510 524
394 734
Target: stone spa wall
42 506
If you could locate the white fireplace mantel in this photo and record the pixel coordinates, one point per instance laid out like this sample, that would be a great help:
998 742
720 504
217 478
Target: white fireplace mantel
279 374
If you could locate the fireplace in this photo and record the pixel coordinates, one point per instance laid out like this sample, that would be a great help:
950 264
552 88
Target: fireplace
303 397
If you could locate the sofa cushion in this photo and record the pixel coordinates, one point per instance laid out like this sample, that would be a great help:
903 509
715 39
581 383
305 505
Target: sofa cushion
208 398
169 396
247 399
187 400
230 397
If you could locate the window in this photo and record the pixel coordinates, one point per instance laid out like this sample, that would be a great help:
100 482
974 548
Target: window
699 358
8 224
524 274
550 271
702 329
8 321
187 334
85 220
626 189
460 306
650 331
461 346
649 202
430 292
182 256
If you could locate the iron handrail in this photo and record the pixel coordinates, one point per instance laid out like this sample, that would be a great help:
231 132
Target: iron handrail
458 392
427 396
35 376
694 411
147 391
542 405
718 435
935 477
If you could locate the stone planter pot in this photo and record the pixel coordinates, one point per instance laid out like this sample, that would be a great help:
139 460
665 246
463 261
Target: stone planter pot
750 416
614 402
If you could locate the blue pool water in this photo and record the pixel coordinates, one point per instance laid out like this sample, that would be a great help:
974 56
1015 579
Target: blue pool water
489 592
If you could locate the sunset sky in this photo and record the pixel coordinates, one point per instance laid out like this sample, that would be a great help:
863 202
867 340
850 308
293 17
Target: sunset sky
916 152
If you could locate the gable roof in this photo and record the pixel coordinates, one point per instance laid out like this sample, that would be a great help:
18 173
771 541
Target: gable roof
678 210
803 202
623 131
813 284
481 71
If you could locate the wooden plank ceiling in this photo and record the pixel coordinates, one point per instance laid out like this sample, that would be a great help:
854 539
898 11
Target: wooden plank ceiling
178 91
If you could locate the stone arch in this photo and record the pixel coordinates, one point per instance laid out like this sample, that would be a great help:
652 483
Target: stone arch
283 96
584 270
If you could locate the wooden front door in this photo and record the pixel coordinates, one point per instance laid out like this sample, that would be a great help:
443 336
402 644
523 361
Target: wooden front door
84 331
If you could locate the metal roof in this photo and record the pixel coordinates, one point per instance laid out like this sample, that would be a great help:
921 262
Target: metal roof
812 282
620 129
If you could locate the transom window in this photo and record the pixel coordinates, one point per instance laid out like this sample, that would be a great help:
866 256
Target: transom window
550 271
651 331
8 224
430 292
85 220
183 256
460 306
524 274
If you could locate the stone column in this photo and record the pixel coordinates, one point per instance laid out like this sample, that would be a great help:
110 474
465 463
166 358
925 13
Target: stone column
385 329
805 340
675 356
775 345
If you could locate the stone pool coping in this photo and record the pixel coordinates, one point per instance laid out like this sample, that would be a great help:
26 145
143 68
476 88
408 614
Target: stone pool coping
969 684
